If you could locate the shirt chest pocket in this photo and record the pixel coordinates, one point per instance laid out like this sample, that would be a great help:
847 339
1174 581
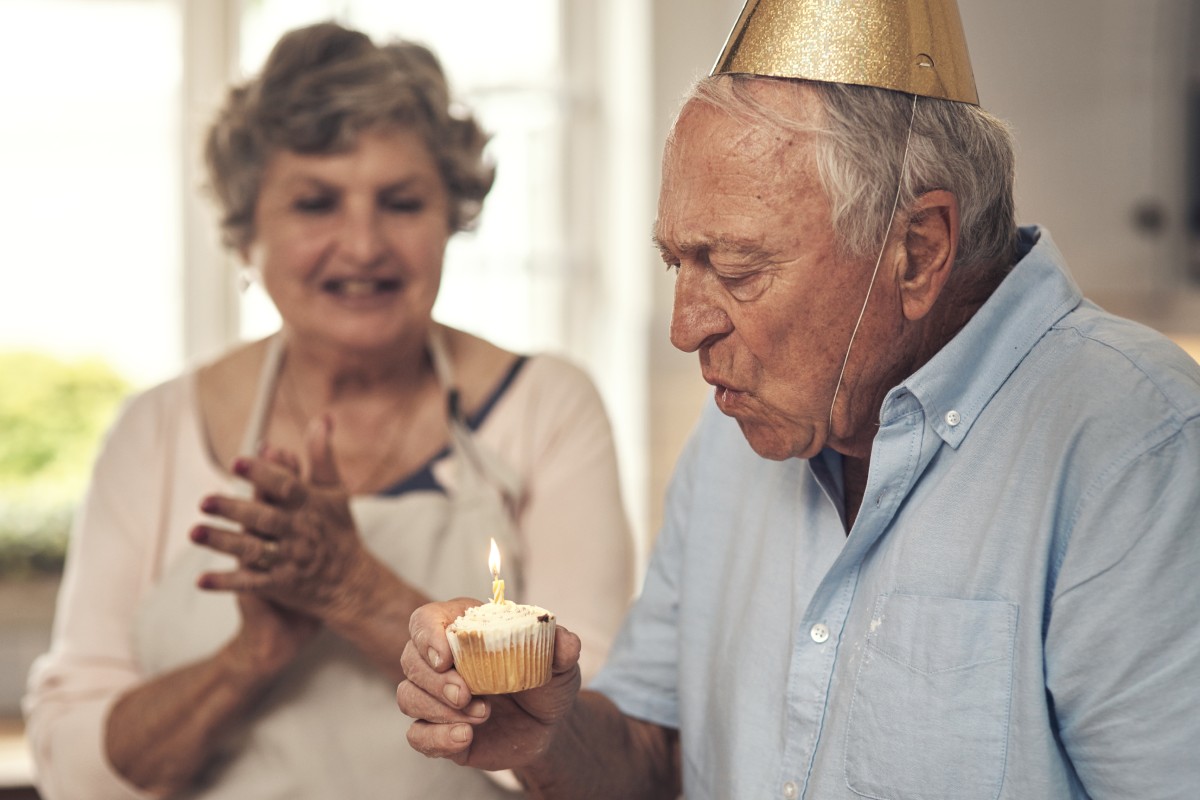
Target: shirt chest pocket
928 719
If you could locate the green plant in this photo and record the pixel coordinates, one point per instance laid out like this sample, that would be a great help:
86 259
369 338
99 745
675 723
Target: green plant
52 415
33 539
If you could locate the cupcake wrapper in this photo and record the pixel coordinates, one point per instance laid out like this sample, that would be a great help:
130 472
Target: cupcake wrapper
504 662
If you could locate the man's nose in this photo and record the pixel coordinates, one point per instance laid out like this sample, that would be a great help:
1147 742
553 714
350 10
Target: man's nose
697 316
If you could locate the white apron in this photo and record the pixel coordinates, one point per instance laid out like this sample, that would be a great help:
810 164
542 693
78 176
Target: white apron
329 728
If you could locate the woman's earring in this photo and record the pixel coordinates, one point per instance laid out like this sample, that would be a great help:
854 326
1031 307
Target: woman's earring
246 277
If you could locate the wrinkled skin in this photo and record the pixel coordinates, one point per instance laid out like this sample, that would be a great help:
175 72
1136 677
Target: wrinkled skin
492 732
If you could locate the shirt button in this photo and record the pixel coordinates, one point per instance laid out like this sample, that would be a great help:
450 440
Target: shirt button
819 633
789 790
953 418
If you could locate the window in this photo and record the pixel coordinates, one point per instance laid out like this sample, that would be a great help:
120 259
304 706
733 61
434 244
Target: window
91 218
91 206
91 215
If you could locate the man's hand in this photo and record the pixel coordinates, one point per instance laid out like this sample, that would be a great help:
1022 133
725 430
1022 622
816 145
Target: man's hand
489 732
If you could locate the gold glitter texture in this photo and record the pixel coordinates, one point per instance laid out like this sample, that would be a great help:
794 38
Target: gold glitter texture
912 46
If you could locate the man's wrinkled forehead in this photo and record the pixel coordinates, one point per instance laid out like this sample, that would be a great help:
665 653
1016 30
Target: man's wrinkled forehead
753 104
763 120
734 154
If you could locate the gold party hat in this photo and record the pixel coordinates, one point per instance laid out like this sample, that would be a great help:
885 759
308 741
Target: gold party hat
911 46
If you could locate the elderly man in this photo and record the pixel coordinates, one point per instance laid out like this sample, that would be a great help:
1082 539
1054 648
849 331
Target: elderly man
952 550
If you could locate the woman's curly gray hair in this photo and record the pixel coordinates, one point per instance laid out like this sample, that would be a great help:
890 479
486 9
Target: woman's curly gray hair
859 145
322 86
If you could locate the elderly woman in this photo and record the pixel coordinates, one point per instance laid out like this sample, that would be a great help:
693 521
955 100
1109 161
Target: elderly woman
350 466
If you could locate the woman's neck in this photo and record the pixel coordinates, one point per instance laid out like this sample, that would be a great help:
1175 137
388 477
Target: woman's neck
328 376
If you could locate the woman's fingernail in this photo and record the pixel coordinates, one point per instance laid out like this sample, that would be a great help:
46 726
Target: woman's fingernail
460 733
206 582
435 660
241 466
451 693
208 505
199 535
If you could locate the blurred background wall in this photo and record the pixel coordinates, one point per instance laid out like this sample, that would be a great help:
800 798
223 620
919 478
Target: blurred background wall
113 278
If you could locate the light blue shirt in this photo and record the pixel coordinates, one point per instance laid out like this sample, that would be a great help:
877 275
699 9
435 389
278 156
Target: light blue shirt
1015 613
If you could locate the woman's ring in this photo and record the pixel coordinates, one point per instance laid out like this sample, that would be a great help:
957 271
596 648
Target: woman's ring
268 558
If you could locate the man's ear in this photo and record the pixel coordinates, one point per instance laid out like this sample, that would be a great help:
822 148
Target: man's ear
930 246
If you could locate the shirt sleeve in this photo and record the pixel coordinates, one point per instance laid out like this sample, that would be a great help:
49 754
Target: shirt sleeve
91 662
1123 636
578 546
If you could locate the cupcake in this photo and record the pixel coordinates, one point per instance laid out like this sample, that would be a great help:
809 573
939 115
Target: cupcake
503 647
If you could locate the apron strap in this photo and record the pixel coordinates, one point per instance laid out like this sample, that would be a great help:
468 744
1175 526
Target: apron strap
479 471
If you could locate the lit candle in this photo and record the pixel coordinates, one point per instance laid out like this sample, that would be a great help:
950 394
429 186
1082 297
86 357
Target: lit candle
494 566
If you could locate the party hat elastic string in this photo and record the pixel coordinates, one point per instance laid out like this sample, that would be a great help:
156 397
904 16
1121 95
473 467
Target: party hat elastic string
862 312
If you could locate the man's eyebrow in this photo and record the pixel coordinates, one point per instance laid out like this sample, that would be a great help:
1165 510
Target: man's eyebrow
658 243
720 244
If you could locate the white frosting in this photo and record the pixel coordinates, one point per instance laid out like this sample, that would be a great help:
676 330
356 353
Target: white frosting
504 614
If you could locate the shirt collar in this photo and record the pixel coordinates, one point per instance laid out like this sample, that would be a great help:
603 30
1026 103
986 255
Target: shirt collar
958 382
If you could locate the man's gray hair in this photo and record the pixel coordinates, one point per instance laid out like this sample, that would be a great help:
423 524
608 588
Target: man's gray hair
859 147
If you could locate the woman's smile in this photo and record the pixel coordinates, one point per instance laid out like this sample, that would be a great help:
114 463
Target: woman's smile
360 287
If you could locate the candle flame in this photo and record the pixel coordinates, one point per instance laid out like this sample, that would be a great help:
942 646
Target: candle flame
494 560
